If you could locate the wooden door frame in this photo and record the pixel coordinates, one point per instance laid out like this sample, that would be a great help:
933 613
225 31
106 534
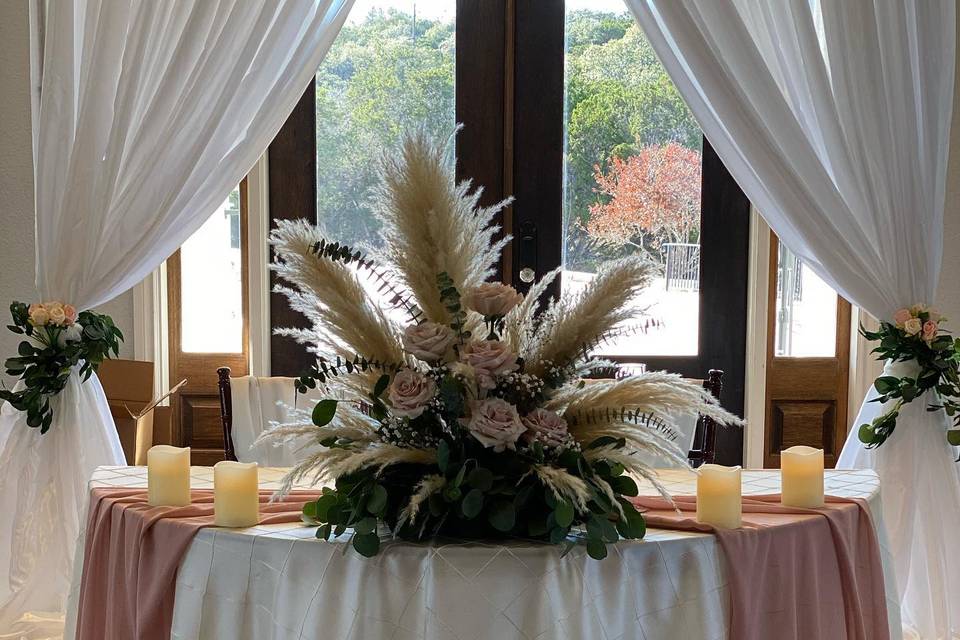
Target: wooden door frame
206 364
775 364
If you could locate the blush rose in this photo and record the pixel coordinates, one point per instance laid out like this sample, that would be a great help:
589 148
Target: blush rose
429 341
545 426
410 392
495 424
489 358
492 299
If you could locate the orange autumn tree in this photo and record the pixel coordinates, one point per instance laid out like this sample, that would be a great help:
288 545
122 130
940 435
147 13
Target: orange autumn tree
653 197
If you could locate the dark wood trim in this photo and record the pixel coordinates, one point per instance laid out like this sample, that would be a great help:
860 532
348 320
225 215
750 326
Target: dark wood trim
293 194
226 412
482 97
538 138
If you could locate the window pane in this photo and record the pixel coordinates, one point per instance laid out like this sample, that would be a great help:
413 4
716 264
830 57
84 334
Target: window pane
211 284
632 173
391 69
806 322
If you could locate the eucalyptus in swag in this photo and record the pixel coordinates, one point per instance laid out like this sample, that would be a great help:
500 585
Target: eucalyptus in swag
57 339
468 411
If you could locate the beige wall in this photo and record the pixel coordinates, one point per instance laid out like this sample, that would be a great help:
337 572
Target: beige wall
16 181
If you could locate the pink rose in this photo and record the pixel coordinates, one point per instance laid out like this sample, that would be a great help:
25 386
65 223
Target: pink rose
428 341
489 358
56 313
409 393
546 427
913 326
929 330
494 423
70 314
901 316
492 299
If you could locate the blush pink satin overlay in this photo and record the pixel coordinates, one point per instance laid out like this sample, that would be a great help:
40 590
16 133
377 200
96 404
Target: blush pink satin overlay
794 573
132 553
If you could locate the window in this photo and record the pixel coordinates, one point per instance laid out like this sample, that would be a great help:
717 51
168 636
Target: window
806 310
632 174
566 108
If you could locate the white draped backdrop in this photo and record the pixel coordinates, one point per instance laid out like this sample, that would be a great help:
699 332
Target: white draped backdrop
145 116
834 118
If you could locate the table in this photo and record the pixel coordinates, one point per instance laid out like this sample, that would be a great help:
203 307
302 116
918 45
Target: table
279 582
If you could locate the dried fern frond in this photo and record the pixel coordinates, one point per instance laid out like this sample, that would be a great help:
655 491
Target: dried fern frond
574 321
349 423
345 320
519 323
433 225
564 485
427 486
637 440
655 392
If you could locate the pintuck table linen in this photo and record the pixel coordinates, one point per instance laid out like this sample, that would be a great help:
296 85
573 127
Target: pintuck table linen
277 582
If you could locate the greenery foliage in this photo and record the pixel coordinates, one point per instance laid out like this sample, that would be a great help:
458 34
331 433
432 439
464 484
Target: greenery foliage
48 355
937 355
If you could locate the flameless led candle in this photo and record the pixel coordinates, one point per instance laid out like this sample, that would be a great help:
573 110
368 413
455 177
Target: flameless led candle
236 501
168 476
718 496
802 471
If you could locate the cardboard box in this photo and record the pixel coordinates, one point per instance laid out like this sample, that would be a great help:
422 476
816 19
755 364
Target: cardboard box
128 385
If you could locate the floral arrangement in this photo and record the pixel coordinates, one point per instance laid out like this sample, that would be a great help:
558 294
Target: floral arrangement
58 339
471 415
915 334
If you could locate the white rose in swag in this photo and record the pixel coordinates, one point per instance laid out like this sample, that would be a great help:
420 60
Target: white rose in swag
494 422
546 427
410 393
492 299
489 358
912 326
428 341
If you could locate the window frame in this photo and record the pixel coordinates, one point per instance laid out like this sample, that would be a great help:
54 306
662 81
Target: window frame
509 81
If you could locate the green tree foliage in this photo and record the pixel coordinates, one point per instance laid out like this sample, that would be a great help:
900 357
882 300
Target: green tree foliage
619 100
382 76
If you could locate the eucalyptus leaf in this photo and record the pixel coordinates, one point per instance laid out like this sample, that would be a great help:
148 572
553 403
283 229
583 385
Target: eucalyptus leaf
324 411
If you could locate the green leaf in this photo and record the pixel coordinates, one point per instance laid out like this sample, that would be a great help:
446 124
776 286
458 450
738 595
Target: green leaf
480 478
443 455
25 348
953 437
310 510
886 384
381 385
502 515
324 411
366 544
624 485
378 500
596 549
865 434
472 504
558 535
324 531
366 525
563 513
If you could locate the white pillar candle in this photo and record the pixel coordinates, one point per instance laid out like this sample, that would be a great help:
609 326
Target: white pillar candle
718 496
802 473
236 500
168 476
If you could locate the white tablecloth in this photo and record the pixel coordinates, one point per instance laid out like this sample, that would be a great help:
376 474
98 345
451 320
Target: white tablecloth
279 582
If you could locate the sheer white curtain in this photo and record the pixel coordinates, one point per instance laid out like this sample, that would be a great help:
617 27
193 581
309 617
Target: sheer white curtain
834 118
145 116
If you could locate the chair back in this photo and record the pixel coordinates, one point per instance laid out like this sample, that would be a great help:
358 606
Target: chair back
704 449
248 406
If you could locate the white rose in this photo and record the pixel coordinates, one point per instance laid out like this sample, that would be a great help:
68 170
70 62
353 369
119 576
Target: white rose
428 341
495 424
39 317
912 326
492 299
409 393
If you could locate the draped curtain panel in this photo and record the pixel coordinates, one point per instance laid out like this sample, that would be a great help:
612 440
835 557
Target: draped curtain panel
834 118
145 116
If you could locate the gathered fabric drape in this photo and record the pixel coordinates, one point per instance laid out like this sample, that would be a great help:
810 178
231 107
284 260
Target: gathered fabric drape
834 117
145 116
